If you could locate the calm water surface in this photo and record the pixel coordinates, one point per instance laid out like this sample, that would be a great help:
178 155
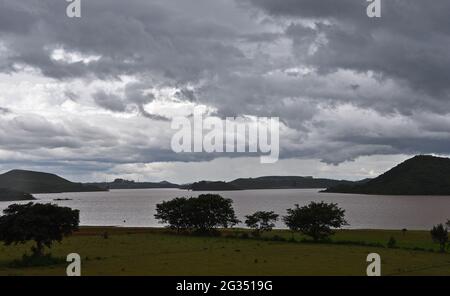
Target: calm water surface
136 207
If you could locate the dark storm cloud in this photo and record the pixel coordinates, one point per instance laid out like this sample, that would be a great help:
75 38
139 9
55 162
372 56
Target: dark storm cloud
304 61
410 41
17 17
132 37
186 94
109 102
32 132
134 97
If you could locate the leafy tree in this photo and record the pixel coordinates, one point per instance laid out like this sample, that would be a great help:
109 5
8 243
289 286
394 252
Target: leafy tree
439 234
261 221
203 213
174 213
41 223
210 211
316 219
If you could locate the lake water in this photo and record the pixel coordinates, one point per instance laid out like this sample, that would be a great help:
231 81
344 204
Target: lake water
136 207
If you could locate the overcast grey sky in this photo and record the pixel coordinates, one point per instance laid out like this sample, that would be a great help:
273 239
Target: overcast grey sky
92 98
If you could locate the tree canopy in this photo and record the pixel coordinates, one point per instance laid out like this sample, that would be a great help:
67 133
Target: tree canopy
316 220
439 234
261 221
41 223
201 213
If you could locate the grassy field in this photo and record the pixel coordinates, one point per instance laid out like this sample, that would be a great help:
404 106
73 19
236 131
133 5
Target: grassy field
157 252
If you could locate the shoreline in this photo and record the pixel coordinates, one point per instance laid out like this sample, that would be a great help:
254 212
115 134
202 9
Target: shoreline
149 228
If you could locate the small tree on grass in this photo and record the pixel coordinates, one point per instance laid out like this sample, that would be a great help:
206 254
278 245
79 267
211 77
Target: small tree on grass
439 234
41 223
316 219
261 221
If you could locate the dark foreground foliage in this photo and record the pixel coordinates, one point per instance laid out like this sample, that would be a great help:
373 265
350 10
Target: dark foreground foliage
41 223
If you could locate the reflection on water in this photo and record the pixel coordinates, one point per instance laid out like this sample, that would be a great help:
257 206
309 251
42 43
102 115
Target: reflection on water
136 207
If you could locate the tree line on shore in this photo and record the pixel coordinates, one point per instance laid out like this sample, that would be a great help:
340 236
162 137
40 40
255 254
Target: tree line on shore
205 213
47 223
318 220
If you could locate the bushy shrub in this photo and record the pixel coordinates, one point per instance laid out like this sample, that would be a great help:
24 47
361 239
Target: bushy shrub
392 243
36 261
439 234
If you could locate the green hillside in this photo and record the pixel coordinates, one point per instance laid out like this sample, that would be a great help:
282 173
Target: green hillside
37 182
420 175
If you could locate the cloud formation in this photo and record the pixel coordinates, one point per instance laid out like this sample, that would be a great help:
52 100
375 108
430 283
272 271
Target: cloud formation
96 94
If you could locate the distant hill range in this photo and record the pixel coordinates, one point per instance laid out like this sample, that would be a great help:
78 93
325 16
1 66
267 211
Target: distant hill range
420 175
12 195
269 182
127 184
37 182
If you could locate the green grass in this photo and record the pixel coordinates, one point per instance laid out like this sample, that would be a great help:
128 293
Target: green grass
156 252
407 240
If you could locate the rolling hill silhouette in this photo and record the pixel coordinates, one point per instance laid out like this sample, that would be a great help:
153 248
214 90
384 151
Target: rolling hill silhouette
37 182
420 175
268 182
